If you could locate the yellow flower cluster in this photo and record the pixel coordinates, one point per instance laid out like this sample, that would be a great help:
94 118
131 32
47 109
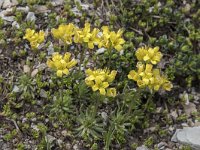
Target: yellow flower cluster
100 79
110 39
64 33
61 64
149 55
106 38
146 76
35 38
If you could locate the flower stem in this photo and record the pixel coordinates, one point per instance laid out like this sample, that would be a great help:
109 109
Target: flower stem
61 93
109 60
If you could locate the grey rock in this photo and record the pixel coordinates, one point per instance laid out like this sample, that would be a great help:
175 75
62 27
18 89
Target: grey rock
76 11
42 9
16 89
31 16
23 9
190 108
100 51
26 69
185 97
9 3
50 138
188 136
142 148
50 49
174 114
15 24
162 145
9 19
57 2
34 72
1 3
43 93
41 66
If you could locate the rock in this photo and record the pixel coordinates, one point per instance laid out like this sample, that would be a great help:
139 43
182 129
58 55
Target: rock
50 49
23 9
42 9
16 89
50 138
76 147
142 148
100 51
57 2
41 66
26 69
34 73
174 114
76 11
64 133
197 123
184 124
9 3
15 24
1 3
162 145
188 136
149 130
190 108
31 16
43 93
184 97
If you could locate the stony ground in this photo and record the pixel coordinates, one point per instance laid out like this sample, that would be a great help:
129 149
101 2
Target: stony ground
181 114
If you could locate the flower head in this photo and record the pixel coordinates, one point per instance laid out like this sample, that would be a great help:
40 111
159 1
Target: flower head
64 33
35 38
149 55
100 79
61 64
146 76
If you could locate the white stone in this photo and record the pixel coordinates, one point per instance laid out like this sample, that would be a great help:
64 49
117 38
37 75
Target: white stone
142 148
1 3
190 108
30 16
9 3
9 19
34 72
57 2
50 49
43 93
26 69
16 89
15 24
189 136
42 9
100 51
24 9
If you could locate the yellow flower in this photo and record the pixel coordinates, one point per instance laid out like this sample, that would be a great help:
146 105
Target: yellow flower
133 75
61 64
167 86
82 35
151 55
77 35
99 79
34 38
105 38
64 33
94 39
101 86
117 40
111 92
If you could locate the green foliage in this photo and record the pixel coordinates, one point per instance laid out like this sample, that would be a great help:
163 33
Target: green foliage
90 126
95 120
